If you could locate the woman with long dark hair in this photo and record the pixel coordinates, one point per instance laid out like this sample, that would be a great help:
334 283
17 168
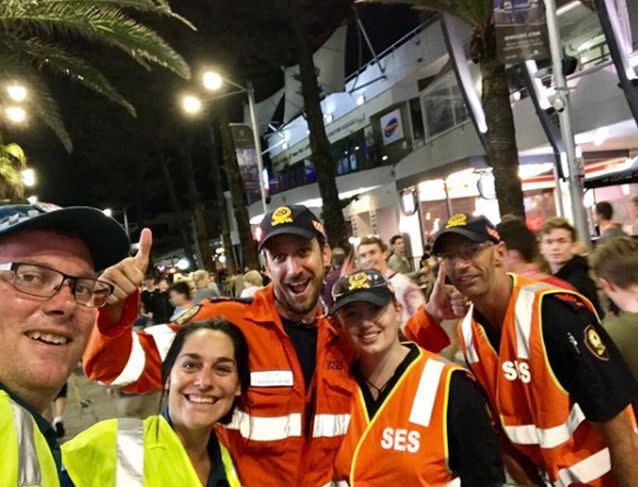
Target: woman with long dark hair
205 372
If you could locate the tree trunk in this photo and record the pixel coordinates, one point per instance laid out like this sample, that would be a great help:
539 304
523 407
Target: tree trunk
240 208
197 207
319 144
222 210
501 134
177 208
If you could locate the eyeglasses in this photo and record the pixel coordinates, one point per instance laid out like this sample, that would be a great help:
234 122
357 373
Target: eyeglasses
44 282
467 252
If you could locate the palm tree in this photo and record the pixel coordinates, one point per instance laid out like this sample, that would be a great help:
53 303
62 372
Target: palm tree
33 35
501 135
12 162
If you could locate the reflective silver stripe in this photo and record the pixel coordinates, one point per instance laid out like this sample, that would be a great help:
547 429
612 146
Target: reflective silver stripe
468 337
129 466
163 336
523 312
29 472
266 428
588 469
337 483
135 365
330 425
423 403
529 434
454 483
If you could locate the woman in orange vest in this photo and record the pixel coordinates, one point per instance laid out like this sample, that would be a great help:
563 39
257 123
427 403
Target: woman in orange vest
416 419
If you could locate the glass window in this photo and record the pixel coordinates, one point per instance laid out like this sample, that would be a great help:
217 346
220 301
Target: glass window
444 107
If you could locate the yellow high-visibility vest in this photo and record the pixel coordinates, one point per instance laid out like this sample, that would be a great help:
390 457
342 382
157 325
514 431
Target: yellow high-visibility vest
130 452
26 459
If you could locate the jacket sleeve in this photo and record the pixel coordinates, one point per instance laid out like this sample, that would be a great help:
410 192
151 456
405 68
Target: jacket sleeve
117 355
422 329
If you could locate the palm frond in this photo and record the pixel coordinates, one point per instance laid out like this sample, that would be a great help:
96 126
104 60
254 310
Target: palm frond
41 54
103 24
40 100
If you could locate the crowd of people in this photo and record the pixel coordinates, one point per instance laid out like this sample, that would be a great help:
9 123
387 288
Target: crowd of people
330 374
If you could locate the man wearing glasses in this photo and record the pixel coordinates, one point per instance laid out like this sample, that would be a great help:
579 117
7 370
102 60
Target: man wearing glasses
50 294
551 374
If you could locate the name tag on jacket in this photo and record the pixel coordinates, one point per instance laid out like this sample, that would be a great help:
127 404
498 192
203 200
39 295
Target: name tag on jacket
271 378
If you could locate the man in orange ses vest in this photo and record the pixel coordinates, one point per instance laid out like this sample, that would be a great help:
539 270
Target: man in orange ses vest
552 375
416 419
300 393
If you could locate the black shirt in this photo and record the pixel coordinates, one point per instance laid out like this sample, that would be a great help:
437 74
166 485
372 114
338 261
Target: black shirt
576 272
49 435
161 308
583 358
474 452
304 338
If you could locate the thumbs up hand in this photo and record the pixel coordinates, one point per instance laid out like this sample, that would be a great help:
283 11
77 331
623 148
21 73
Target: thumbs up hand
446 302
127 275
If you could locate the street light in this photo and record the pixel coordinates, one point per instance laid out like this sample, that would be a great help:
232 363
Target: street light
213 81
28 177
17 92
15 114
191 104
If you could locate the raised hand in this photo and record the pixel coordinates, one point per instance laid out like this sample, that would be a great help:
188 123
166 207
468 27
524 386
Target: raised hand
127 275
446 302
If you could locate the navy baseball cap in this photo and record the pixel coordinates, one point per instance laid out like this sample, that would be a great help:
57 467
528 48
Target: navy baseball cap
476 228
291 220
104 236
367 285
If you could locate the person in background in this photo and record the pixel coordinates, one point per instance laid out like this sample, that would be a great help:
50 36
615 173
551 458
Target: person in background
253 282
522 253
558 247
615 264
609 229
556 383
205 286
50 291
180 296
398 261
417 420
147 296
372 253
205 372
336 262
161 308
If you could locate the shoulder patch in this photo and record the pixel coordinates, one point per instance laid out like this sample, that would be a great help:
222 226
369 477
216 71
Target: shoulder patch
187 315
595 344
572 300
226 299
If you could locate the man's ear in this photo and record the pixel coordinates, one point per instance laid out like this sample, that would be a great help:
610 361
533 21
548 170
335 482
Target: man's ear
326 252
606 284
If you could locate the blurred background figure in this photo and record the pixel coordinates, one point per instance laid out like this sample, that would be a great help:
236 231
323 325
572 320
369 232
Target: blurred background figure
558 246
603 216
616 266
398 261
180 296
252 282
336 263
161 306
522 254
205 286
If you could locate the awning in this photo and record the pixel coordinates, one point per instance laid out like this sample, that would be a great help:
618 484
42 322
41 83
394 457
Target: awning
621 177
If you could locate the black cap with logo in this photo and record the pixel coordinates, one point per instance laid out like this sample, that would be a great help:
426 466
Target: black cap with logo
476 228
291 220
105 238
367 285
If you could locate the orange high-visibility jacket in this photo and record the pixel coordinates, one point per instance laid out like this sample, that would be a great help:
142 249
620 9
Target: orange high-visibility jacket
536 413
287 433
406 441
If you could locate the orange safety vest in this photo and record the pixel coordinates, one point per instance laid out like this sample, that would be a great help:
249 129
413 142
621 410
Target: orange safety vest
405 443
286 433
536 413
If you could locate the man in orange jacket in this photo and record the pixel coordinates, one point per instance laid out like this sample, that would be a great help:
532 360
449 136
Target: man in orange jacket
550 372
299 400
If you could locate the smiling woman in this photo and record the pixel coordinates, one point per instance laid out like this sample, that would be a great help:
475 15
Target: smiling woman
205 372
